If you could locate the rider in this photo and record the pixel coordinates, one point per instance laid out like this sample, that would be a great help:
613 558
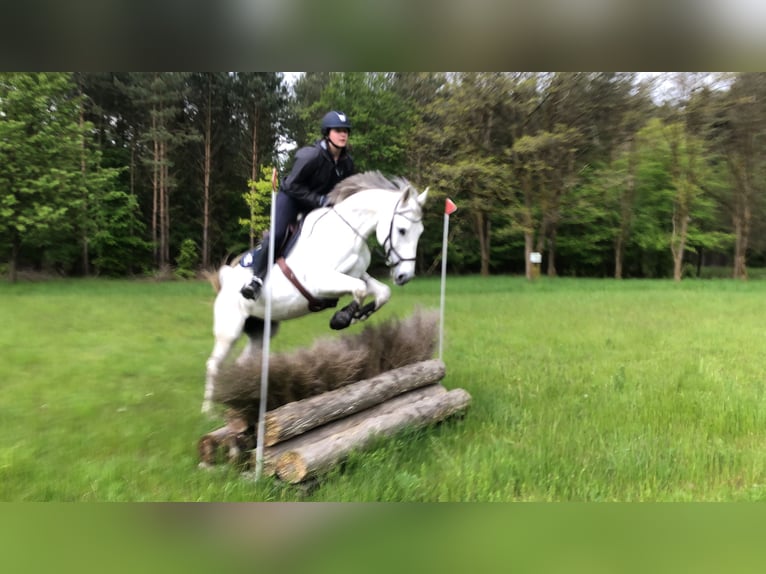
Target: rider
317 169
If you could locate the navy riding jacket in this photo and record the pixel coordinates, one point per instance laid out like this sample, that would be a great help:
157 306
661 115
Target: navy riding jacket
314 174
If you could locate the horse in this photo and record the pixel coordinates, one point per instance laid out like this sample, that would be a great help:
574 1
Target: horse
328 260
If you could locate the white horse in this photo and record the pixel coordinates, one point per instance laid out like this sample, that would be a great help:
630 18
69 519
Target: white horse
329 260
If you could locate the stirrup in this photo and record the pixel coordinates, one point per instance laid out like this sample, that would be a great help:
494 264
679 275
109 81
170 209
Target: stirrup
253 289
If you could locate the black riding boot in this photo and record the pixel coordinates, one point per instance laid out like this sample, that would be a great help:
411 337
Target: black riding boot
252 290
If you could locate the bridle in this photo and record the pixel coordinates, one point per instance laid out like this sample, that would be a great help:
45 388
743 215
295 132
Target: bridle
388 243
391 249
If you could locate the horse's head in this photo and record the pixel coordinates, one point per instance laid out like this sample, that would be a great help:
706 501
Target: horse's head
399 234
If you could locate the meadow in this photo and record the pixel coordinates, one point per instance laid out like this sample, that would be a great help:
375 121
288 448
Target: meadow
583 390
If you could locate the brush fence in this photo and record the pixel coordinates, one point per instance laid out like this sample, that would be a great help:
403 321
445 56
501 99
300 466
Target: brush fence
306 438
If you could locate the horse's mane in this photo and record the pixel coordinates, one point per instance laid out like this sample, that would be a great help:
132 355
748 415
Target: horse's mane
362 181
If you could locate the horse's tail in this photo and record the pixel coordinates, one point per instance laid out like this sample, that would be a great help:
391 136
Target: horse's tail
215 279
215 276
233 259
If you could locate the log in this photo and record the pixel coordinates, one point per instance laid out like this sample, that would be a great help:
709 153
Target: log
405 411
271 454
208 445
234 437
296 418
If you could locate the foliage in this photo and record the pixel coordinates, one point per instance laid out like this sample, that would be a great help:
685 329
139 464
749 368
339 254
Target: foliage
109 173
188 260
381 120
39 153
57 196
258 200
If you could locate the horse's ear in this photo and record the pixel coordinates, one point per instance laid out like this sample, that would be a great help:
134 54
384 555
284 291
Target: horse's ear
422 197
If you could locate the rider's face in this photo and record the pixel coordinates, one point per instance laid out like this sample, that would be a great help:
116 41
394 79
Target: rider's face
338 137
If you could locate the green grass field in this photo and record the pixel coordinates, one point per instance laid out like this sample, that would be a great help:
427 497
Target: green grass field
583 390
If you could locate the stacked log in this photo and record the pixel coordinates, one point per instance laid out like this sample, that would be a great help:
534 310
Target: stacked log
306 438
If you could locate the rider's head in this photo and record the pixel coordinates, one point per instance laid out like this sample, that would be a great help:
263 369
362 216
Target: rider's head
335 128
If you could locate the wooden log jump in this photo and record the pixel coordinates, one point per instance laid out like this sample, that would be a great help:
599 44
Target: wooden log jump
429 405
308 437
300 416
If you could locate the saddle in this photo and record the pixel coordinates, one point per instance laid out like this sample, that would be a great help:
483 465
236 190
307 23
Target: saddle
282 251
293 233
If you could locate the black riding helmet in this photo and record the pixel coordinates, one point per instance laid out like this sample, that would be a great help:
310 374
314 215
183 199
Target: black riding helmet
334 120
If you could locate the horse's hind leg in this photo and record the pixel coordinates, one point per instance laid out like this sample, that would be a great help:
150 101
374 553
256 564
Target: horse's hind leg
254 330
221 348
227 328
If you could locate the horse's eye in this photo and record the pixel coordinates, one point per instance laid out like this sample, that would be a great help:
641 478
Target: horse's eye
402 231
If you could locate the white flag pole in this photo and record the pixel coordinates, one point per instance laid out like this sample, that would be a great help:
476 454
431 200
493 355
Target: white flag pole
449 208
266 344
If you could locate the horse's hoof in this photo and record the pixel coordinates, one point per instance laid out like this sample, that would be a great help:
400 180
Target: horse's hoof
340 320
365 311
345 316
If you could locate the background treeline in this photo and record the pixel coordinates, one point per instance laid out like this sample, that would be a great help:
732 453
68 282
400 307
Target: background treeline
605 174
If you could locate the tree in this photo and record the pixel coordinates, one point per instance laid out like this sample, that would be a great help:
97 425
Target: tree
468 133
162 97
301 124
738 132
209 104
261 96
578 120
382 122
616 176
105 215
674 211
40 160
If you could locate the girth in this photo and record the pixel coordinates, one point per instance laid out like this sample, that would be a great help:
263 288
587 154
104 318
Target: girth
314 303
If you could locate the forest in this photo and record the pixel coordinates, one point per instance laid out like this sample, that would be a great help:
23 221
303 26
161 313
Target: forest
605 174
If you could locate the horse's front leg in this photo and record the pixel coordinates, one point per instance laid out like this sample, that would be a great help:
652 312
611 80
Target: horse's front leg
331 284
357 310
381 293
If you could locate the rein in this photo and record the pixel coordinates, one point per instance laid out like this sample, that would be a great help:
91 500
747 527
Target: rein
388 240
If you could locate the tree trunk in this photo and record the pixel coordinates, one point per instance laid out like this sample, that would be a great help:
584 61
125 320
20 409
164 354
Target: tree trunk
254 168
678 242
528 224
618 251
528 248
742 237
298 417
162 261
551 271
481 223
165 211
206 179
14 263
155 190
416 409
83 172
626 209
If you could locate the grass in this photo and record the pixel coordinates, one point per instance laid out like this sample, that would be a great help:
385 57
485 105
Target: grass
583 390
